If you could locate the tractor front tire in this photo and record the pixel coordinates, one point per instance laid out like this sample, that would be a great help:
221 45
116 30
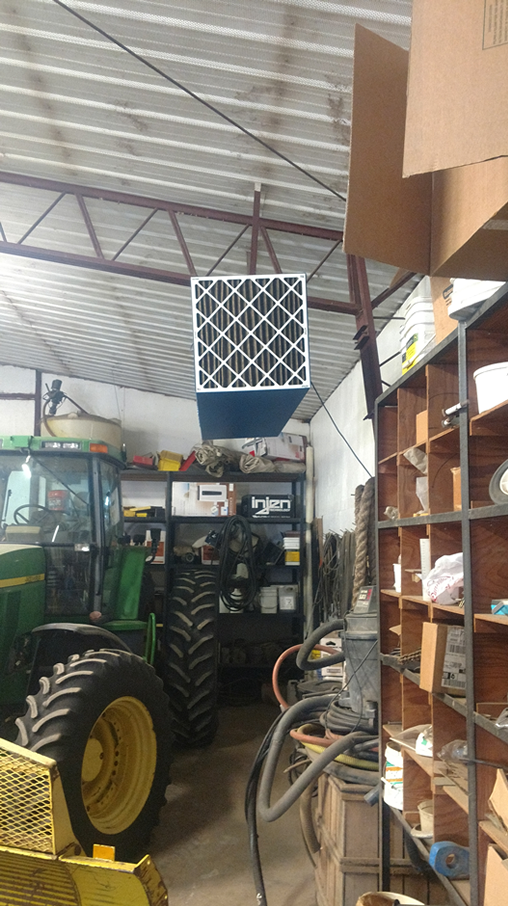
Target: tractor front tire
104 718
190 660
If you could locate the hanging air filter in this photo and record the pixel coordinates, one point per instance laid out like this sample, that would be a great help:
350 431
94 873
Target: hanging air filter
250 351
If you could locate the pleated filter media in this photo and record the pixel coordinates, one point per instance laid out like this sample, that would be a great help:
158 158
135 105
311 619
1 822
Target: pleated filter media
250 352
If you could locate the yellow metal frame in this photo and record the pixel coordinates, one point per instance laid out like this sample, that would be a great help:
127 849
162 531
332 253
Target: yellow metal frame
41 860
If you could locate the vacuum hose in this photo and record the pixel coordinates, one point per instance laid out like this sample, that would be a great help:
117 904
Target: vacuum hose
299 713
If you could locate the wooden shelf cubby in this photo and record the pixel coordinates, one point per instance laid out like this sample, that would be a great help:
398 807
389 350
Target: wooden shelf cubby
469 521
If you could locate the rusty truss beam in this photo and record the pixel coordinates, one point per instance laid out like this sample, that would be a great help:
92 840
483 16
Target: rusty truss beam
261 230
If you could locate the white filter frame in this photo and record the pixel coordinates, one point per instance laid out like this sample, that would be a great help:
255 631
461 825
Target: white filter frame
256 343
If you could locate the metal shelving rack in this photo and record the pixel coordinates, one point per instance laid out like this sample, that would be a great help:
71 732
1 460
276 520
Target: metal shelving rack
478 445
253 626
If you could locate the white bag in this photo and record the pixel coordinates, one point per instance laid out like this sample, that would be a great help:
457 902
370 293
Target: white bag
445 583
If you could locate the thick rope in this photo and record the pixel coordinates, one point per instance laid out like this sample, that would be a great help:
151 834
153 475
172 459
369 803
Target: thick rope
365 516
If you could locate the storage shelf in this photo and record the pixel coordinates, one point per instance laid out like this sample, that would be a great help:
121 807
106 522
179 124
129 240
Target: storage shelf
478 444
458 891
491 422
496 834
427 519
454 792
491 618
489 725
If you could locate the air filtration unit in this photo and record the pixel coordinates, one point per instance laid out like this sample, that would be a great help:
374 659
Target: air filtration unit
250 351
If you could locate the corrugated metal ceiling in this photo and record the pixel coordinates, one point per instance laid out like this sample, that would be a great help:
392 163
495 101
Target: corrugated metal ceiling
78 109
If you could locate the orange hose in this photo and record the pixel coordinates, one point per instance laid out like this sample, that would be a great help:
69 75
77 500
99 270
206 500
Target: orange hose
278 662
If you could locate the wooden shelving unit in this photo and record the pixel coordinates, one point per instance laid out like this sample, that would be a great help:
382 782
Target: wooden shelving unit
478 444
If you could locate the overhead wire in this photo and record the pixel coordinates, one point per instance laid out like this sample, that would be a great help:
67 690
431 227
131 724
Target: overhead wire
196 97
316 391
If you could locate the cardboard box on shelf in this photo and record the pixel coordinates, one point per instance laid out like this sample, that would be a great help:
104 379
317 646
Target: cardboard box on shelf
422 426
441 289
498 801
456 494
496 878
443 660
457 89
191 498
449 222
285 446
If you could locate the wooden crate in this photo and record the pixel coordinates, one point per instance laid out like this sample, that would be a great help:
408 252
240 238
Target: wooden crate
347 864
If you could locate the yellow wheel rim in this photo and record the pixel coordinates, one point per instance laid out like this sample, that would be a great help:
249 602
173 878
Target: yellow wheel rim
118 765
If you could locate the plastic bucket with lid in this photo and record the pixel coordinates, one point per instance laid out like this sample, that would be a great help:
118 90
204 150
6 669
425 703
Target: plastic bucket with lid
491 385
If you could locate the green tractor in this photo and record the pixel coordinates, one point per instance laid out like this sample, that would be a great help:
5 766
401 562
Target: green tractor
78 644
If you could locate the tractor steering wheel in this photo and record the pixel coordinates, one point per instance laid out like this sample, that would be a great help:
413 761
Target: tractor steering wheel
47 519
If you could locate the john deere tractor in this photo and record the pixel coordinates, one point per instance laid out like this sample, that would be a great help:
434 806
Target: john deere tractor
76 650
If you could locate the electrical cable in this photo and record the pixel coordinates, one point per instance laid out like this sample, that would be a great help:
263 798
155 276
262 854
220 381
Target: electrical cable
196 97
330 415
236 574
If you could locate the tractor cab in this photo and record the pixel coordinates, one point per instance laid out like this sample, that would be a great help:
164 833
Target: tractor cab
63 495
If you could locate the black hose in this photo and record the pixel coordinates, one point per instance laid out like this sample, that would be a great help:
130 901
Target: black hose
297 712
302 658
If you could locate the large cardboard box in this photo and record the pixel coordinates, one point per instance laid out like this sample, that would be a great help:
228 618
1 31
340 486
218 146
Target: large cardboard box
388 218
450 223
496 880
457 88
443 661
498 801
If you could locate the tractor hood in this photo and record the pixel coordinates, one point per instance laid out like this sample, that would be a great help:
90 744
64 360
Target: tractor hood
21 564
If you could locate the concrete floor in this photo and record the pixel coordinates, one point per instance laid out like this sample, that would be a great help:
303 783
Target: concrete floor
201 845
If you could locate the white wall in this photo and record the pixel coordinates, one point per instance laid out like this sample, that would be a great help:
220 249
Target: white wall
151 422
337 472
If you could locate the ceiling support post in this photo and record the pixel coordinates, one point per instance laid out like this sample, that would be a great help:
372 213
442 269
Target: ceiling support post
365 337
253 258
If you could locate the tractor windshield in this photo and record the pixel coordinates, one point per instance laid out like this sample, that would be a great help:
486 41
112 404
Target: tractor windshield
44 499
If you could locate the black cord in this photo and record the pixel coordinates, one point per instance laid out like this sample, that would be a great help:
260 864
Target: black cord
333 420
196 97
237 582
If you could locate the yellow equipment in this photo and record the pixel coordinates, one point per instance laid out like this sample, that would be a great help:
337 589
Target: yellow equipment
41 861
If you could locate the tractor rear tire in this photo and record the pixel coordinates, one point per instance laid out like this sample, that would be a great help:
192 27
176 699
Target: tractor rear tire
190 659
104 718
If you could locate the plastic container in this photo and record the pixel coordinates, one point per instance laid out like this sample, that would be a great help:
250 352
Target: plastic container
288 595
169 462
87 427
418 332
426 813
269 599
491 385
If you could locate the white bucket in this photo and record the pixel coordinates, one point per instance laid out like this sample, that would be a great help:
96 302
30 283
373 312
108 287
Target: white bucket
491 385
418 331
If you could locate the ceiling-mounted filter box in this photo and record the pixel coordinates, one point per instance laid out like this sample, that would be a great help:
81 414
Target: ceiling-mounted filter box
251 354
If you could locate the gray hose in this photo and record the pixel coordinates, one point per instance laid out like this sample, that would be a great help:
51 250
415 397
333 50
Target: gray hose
302 658
297 713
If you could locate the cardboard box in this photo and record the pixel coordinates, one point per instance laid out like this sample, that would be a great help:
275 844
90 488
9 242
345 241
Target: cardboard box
422 426
456 494
285 446
452 222
191 498
498 801
441 289
382 207
457 88
496 879
443 660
